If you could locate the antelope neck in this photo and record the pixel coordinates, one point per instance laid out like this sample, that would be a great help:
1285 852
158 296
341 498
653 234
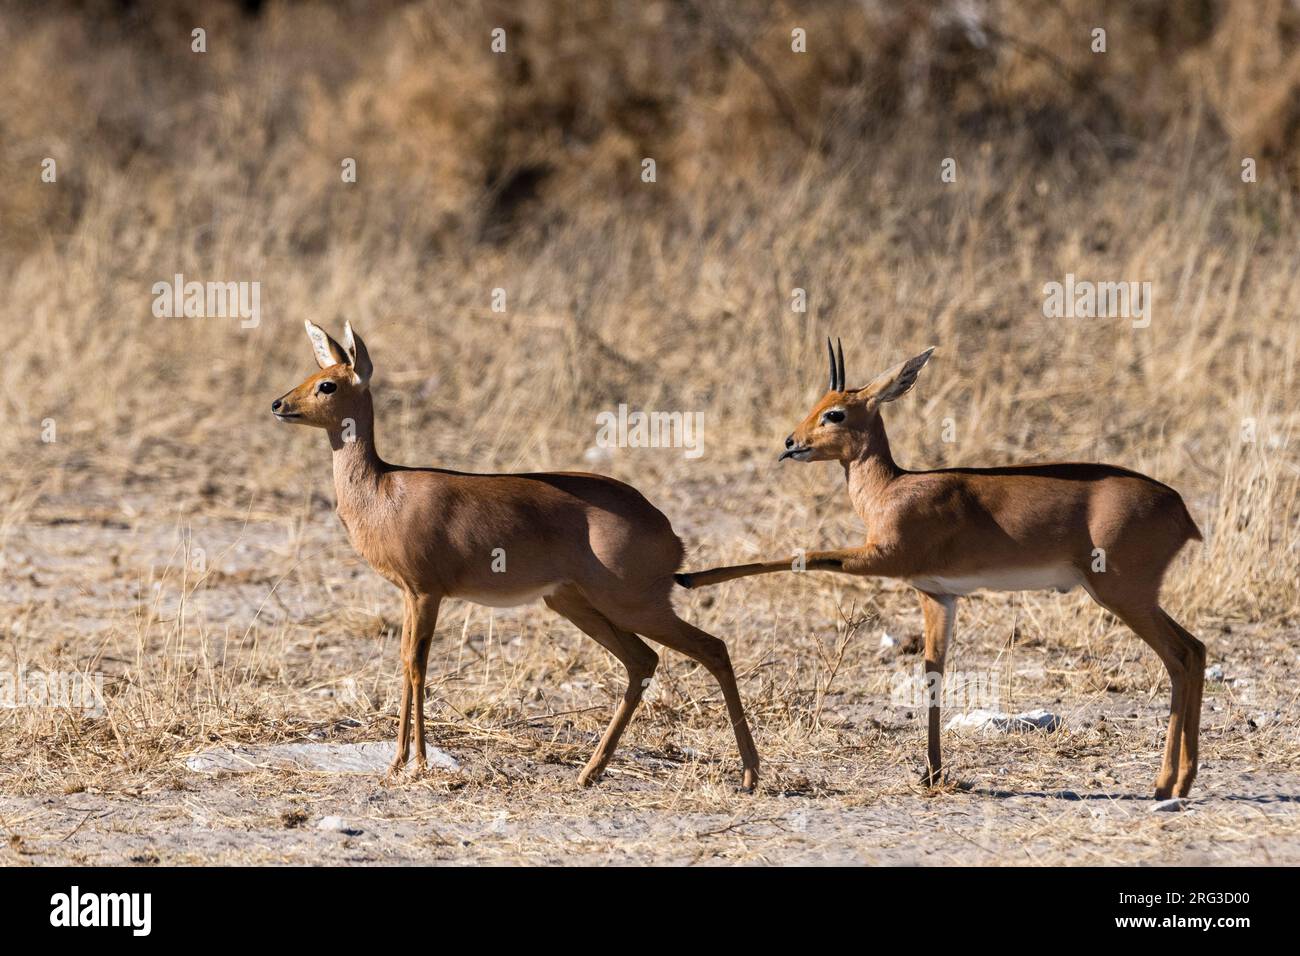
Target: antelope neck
873 469
356 463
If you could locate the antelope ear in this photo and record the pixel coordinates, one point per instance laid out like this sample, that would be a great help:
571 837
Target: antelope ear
896 382
358 357
328 352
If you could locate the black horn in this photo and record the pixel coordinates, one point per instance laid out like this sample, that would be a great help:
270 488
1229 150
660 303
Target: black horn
830 349
840 343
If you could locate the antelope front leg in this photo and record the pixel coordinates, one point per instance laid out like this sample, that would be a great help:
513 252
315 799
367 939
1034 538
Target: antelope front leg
868 560
426 620
871 560
939 611
404 712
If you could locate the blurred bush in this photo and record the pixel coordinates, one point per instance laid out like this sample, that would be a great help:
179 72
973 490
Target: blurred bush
473 146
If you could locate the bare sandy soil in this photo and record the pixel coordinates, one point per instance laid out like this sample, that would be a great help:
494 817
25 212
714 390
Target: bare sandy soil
640 815
298 645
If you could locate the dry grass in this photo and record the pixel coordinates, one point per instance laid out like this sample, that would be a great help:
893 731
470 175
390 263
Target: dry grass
177 540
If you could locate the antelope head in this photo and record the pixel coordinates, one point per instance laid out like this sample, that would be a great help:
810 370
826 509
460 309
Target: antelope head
335 394
838 427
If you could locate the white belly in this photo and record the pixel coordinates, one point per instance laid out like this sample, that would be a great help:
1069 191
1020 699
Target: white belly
506 598
1059 577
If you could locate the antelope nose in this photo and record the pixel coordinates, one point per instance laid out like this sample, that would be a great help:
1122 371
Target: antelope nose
275 405
789 442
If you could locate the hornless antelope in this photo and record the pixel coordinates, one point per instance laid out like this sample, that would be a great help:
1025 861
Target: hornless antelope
591 547
951 531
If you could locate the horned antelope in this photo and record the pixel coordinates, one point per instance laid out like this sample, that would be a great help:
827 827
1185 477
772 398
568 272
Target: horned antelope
591 547
950 531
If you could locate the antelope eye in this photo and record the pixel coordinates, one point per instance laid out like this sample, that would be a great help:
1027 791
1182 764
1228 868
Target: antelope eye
835 417
326 387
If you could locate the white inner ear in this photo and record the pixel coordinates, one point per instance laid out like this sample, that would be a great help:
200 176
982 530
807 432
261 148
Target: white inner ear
354 358
321 346
898 387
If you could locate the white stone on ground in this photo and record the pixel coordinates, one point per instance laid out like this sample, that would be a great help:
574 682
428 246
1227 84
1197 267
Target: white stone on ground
988 721
369 757
338 825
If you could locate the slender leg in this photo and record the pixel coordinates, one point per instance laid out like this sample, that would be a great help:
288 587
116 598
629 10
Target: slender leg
868 560
672 631
1177 710
404 708
426 620
1148 622
1194 657
939 612
635 655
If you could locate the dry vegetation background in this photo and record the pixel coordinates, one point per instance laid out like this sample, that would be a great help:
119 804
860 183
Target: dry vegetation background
176 539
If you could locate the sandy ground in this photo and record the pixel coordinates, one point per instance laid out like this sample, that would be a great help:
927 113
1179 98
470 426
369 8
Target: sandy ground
323 670
638 816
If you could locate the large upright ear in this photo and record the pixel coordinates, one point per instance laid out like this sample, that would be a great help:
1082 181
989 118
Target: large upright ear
358 357
328 352
896 382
